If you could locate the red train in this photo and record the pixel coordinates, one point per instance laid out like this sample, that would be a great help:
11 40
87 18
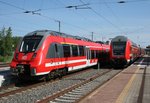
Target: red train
123 51
45 53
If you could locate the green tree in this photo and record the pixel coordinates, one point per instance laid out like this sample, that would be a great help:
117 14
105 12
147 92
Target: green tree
8 42
2 41
16 40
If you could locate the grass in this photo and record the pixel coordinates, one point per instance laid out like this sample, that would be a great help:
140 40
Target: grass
6 59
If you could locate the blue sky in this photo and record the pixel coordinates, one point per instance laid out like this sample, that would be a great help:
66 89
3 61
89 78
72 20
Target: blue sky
105 18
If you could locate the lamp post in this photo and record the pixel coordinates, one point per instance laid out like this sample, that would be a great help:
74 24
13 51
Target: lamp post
58 24
92 36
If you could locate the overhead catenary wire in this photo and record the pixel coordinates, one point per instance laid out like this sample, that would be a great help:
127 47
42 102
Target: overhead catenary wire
112 12
48 17
13 13
119 1
131 1
11 5
78 15
39 14
35 12
60 2
25 11
104 18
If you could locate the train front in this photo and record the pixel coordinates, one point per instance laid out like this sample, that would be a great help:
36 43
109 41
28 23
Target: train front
118 51
27 57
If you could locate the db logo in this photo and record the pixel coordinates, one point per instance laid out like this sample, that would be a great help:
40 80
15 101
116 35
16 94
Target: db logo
24 57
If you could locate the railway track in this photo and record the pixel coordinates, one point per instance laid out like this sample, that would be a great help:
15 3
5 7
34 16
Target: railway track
78 91
12 89
33 94
16 88
4 65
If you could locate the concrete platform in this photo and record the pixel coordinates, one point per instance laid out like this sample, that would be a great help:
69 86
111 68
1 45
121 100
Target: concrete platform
126 87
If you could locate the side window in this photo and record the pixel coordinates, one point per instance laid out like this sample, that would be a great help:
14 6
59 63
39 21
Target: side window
97 54
59 50
66 49
100 54
55 50
51 51
81 51
74 50
92 54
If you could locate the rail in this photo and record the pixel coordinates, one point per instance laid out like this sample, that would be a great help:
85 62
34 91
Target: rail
4 65
75 89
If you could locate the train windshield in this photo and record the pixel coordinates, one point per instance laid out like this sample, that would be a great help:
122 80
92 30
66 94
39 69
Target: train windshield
30 43
119 48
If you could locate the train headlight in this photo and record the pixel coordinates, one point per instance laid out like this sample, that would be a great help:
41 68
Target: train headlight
34 55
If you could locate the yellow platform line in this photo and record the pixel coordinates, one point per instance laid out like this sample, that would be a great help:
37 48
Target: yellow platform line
125 91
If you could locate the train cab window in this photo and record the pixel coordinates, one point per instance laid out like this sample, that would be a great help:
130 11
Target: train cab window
74 50
119 48
81 51
30 43
66 49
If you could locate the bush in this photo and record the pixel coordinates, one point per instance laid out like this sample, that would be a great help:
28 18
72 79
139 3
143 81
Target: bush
1 59
6 59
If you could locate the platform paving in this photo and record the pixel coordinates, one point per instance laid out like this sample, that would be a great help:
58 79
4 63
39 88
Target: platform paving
124 88
109 92
133 93
146 95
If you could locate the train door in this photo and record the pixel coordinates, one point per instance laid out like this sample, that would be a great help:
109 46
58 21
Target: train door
88 55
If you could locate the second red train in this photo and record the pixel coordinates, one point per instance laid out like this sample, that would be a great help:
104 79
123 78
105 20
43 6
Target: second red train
123 51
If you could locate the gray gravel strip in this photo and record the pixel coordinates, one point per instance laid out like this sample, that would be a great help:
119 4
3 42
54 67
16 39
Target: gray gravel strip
32 95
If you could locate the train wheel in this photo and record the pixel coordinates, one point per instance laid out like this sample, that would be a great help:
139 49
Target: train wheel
47 77
59 73
50 76
64 71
